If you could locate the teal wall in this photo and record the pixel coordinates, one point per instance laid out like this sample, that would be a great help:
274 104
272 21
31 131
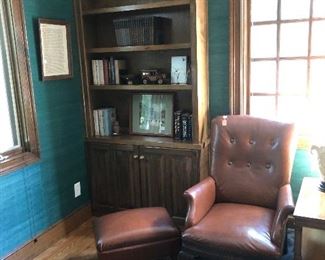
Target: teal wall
219 73
36 197
218 11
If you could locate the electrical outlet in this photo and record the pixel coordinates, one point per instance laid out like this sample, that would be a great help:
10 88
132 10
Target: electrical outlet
77 189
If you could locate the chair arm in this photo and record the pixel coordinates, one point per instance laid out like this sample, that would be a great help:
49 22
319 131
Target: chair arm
285 207
200 199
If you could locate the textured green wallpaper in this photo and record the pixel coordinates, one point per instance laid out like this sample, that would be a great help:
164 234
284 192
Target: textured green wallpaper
218 56
34 198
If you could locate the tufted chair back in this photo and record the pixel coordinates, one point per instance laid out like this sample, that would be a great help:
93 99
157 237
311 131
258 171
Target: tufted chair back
251 158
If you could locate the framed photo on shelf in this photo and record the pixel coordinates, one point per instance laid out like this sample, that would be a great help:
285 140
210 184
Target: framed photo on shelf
55 49
152 114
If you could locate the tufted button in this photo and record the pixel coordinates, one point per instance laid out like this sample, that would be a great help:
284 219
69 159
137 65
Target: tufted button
230 163
248 164
251 141
232 140
268 166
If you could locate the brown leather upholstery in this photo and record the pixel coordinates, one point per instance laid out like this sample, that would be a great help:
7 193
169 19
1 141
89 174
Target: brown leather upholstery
240 211
136 234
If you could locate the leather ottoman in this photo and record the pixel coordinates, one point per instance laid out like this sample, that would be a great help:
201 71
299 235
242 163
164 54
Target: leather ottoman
145 233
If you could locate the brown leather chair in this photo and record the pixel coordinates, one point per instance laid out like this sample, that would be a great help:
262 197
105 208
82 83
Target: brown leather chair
240 210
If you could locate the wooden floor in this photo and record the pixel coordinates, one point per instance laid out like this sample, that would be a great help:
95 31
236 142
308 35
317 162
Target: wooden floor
79 244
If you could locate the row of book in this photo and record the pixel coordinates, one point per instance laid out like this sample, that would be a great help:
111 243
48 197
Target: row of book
142 30
103 121
182 125
107 71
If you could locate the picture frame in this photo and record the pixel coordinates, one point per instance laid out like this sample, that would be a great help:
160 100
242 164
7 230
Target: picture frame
55 48
152 114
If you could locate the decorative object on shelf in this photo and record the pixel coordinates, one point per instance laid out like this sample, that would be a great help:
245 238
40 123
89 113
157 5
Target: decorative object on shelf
128 79
143 30
320 150
116 128
153 76
179 70
152 114
55 49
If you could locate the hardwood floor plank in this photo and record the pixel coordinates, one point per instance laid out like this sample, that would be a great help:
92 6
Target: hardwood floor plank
79 244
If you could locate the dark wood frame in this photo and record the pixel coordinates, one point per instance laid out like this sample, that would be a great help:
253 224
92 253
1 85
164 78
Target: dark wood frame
151 134
69 54
28 152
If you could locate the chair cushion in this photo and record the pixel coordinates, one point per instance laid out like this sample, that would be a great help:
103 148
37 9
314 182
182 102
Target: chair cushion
233 229
133 227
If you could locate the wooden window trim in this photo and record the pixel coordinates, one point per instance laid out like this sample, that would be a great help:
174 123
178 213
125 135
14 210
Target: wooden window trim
239 41
28 152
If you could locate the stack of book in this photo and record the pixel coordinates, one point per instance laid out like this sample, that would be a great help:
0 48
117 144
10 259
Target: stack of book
182 126
107 71
103 121
142 30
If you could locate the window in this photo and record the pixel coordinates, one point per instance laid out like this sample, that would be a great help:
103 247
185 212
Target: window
282 74
18 136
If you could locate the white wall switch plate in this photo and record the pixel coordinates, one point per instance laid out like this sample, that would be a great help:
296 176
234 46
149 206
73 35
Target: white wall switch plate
77 189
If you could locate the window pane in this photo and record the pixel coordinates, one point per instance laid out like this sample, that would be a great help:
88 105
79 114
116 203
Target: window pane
263 106
263 75
319 8
293 77
318 38
317 81
294 9
292 108
263 41
294 39
9 132
265 10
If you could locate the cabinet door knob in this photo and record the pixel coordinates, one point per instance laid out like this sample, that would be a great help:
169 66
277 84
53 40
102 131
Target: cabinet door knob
141 157
135 156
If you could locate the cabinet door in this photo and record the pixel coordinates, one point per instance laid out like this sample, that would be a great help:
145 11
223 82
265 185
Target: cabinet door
114 175
102 177
152 174
184 170
165 175
126 168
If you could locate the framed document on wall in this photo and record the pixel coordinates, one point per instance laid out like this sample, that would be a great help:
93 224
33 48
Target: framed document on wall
55 49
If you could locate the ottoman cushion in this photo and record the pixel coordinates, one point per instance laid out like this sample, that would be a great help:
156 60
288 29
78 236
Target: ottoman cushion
133 227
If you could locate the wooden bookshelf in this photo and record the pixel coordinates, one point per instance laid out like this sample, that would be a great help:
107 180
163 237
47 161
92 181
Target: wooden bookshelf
136 7
123 168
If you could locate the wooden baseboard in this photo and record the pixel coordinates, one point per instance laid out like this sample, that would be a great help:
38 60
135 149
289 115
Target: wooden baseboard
52 235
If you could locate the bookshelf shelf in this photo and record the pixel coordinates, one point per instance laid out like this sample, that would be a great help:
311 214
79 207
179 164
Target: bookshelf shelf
165 87
165 142
160 47
136 7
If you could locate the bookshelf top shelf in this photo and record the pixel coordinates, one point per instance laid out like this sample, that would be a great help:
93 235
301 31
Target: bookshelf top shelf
157 47
157 87
129 8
